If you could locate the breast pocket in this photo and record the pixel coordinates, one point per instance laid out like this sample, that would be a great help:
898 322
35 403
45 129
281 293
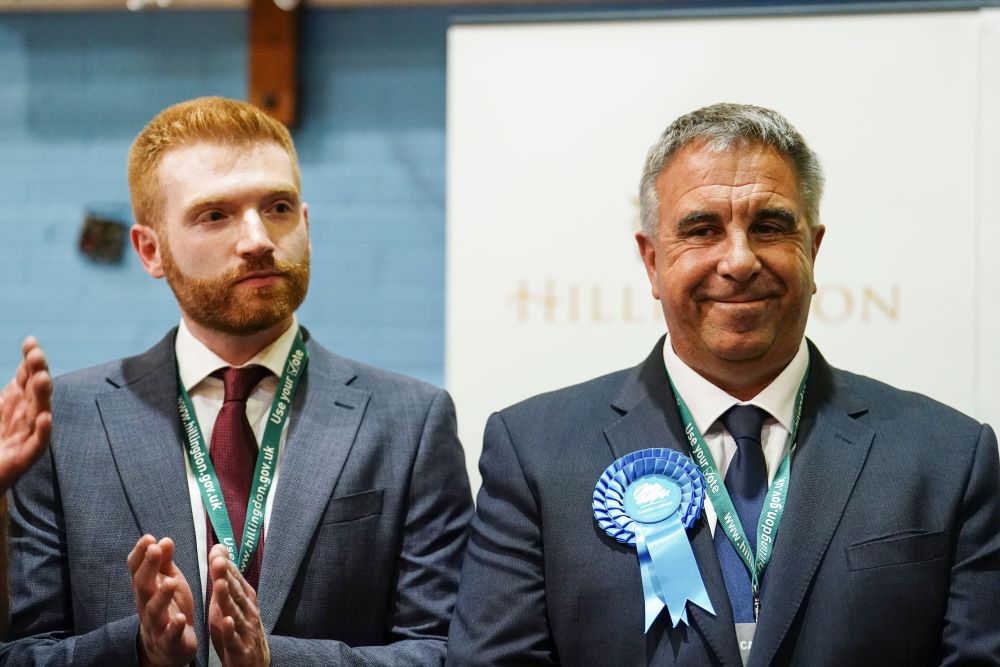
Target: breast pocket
897 549
353 507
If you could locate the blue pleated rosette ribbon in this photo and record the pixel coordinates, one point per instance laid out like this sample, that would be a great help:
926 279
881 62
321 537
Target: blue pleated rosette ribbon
647 499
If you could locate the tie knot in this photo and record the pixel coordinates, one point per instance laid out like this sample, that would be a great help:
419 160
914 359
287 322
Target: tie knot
239 383
744 422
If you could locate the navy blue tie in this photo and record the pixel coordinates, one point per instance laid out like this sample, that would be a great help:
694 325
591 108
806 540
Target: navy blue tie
746 481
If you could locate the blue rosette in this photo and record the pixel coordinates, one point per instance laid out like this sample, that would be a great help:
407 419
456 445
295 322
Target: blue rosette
647 499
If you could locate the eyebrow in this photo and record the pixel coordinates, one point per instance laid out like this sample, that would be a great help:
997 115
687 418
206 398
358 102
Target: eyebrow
782 214
213 201
696 217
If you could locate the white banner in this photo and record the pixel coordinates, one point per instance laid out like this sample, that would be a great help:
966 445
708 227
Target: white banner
548 127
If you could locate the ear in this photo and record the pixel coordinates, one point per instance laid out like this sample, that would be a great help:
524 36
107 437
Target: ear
147 246
305 218
817 239
647 251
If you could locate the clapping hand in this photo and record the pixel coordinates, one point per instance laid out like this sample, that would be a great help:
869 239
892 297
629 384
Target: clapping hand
163 600
233 616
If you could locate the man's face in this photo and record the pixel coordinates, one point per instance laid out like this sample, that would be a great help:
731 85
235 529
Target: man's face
233 242
732 261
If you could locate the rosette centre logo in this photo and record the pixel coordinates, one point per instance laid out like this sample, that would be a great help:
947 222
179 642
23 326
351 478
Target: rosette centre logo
652 499
650 492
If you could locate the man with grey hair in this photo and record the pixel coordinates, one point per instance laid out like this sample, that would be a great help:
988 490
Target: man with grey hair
733 499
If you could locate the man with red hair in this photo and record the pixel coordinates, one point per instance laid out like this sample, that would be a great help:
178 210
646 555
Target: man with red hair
236 495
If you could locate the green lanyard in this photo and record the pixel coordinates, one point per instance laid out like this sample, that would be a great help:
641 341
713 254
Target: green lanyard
774 502
267 457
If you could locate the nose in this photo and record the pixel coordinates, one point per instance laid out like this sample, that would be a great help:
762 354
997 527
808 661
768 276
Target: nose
254 239
738 261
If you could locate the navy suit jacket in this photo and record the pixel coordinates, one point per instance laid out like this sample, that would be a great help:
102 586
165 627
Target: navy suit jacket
888 553
363 550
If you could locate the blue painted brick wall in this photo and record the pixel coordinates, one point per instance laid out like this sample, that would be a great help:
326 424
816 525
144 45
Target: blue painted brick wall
371 143
76 88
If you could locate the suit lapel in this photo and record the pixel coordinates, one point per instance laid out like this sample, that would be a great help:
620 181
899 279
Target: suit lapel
143 430
326 415
652 420
832 449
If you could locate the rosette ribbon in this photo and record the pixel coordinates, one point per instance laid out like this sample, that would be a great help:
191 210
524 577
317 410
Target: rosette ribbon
647 499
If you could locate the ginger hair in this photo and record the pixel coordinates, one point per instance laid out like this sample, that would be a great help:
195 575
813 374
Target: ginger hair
205 119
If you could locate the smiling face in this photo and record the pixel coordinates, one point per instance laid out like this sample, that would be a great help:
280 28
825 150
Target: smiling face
732 263
233 242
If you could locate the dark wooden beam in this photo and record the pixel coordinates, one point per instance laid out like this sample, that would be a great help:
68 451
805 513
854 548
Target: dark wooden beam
273 79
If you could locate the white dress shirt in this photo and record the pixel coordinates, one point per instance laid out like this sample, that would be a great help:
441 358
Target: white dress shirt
196 363
707 403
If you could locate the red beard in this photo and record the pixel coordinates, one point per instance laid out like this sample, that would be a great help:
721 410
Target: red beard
221 305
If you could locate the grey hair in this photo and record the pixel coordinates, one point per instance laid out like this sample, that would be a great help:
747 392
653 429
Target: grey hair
723 126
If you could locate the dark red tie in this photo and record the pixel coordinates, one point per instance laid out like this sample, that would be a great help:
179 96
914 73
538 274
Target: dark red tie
234 455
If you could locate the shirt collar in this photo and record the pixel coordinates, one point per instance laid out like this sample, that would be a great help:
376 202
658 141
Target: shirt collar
195 361
707 402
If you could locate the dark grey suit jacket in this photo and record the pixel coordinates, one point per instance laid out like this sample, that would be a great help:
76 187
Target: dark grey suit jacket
364 544
888 554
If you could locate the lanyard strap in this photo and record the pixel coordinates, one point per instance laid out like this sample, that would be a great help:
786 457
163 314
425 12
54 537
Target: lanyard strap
267 456
774 502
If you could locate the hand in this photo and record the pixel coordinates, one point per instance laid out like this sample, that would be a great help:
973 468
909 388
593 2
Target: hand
163 600
25 414
233 617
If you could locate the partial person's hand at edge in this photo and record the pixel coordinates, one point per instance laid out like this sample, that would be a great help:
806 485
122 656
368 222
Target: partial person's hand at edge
25 414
